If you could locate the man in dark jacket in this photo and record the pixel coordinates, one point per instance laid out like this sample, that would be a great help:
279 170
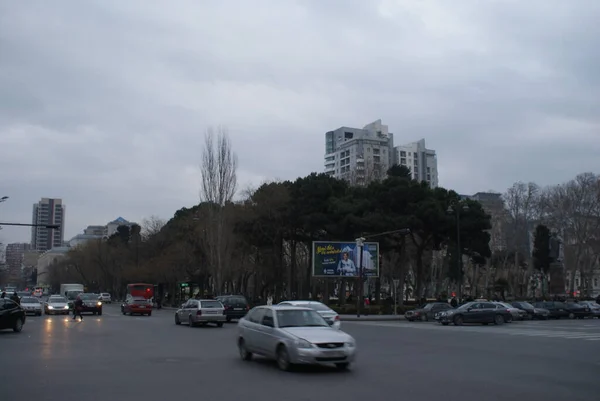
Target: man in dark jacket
3 294
77 306
15 297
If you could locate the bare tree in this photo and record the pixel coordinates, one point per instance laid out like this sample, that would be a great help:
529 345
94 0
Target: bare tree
523 206
218 169
152 226
218 187
574 209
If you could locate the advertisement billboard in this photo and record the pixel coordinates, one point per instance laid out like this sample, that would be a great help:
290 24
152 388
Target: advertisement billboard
341 259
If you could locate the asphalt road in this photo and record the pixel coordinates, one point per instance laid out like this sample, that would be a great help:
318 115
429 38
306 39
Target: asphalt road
115 357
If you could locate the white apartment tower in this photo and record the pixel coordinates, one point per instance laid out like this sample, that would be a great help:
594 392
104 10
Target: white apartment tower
359 155
421 161
47 211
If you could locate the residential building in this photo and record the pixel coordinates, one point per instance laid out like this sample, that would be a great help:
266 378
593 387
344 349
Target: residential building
99 232
359 155
89 233
15 254
421 161
46 260
47 211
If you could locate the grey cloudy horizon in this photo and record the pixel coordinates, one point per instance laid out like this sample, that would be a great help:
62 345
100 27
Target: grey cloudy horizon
104 104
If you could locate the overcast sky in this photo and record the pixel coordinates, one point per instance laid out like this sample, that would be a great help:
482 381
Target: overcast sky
104 103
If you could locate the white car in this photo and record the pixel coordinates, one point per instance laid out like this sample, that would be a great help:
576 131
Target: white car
293 335
56 305
105 298
31 305
328 314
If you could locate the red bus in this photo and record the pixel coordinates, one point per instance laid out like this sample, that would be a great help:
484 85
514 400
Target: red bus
141 290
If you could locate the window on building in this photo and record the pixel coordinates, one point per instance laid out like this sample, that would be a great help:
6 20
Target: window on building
402 153
595 282
577 282
403 161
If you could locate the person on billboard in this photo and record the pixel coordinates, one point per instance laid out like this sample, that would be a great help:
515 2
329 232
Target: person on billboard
346 266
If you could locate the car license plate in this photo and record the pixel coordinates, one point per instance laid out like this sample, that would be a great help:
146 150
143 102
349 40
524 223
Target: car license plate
238 308
335 354
142 306
211 312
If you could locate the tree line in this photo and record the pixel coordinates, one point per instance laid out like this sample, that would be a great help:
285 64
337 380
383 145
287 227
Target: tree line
261 244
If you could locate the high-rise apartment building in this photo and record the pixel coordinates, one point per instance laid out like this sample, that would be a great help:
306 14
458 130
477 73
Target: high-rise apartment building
15 254
46 212
359 155
421 161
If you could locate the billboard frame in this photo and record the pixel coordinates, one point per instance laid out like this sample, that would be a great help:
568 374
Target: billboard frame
366 243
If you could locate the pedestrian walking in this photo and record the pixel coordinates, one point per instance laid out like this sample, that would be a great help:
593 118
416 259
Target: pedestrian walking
77 306
15 297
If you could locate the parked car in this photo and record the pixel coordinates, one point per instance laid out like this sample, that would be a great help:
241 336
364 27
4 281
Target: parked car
136 305
475 312
236 306
105 298
427 312
293 335
556 309
325 311
31 305
532 311
201 312
91 303
56 305
578 310
515 313
594 308
12 315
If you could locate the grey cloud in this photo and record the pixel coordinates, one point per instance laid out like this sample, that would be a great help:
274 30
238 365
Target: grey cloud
112 98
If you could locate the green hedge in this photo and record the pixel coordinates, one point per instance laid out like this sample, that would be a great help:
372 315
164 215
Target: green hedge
349 309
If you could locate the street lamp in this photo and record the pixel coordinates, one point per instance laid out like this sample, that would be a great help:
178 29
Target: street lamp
456 209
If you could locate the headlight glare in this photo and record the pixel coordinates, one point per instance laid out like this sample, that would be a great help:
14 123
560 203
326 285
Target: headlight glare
301 343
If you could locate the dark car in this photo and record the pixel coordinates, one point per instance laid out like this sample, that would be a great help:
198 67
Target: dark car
12 316
557 309
578 311
427 312
532 311
236 306
91 303
475 312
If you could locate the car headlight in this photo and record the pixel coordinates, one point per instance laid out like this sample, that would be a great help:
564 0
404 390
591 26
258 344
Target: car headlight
350 344
66 306
301 343
50 307
99 303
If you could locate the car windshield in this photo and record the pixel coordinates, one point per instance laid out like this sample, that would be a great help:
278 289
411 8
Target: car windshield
525 305
89 297
72 294
211 304
57 300
426 306
315 306
300 318
504 304
29 300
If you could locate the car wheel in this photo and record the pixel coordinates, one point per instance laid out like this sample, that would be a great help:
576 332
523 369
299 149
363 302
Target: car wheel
190 322
220 324
508 319
244 353
283 359
228 319
39 314
445 323
498 319
342 365
177 321
149 313
18 326
424 318
99 313
571 315
458 320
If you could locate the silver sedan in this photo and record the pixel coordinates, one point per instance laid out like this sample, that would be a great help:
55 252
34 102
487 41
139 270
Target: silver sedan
293 335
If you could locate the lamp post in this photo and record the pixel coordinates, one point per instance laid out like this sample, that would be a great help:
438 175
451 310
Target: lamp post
456 209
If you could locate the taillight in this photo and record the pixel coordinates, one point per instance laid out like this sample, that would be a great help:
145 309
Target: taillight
337 317
508 310
199 313
247 307
227 307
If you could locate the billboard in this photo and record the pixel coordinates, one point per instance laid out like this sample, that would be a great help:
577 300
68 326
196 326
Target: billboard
341 259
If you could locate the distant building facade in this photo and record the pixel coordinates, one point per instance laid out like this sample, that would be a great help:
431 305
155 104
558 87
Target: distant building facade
15 255
422 162
359 155
99 232
47 211
44 262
